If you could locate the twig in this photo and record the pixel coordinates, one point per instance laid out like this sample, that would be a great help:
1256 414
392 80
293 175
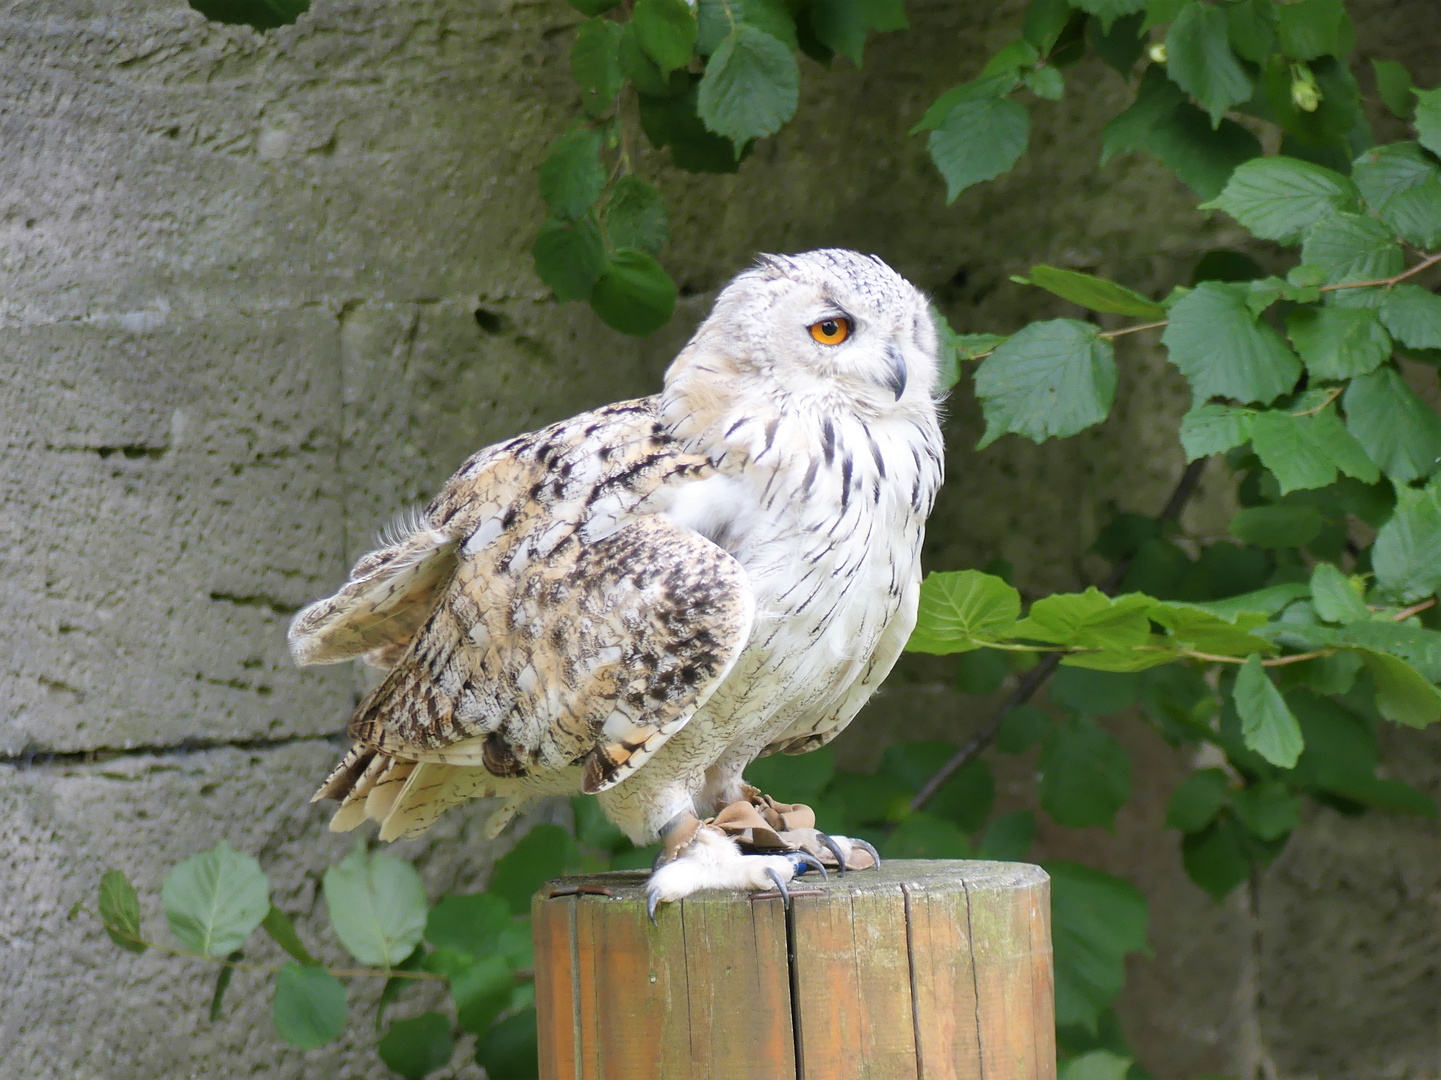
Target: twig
1037 677
1429 260
1133 329
1332 396
1415 609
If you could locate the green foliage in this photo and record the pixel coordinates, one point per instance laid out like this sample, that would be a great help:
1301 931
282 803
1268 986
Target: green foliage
1049 379
260 14
546 852
417 1047
1096 921
120 911
309 1006
213 900
377 906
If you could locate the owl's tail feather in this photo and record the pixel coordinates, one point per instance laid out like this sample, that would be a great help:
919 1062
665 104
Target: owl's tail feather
405 796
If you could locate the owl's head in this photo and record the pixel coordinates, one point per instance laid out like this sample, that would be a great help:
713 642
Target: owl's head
823 323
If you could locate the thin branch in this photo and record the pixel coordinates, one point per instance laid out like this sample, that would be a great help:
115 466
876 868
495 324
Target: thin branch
1133 329
1414 609
1428 261
1332 396
1038 676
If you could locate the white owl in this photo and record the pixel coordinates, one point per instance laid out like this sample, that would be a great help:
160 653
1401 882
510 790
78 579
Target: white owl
637 602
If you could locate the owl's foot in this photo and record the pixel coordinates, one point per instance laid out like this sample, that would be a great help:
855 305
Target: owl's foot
758 823
711 860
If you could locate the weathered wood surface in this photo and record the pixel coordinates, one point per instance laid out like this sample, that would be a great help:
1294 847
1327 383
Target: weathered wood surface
924 970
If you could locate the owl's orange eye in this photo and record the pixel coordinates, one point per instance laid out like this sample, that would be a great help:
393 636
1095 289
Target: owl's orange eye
831 331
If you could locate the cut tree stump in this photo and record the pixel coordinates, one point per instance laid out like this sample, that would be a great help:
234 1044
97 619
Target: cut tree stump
924 969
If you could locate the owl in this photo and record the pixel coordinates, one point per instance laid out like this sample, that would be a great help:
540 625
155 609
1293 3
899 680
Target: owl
639 601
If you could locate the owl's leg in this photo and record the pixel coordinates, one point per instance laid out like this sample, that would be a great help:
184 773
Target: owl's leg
702 856
759 823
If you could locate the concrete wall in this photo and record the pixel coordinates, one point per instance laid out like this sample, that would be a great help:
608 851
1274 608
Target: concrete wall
239 278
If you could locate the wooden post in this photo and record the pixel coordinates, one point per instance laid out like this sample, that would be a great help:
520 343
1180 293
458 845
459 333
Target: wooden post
923 970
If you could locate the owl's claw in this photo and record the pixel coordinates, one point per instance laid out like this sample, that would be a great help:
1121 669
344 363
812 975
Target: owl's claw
652 901
867 847
780 888
835 849
804 861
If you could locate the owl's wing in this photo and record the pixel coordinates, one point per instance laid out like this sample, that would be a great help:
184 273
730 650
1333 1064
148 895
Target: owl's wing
549 619
593 656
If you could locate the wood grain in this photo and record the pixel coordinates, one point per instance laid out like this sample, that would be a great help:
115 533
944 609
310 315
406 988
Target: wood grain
924 970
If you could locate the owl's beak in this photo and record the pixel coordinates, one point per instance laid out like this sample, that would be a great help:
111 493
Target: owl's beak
896 373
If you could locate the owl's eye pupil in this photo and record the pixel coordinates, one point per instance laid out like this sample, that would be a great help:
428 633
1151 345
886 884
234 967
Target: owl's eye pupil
831 331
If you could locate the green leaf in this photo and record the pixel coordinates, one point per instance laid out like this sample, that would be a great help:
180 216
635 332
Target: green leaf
120 911
309 1007
1195 804
1206 631
508 1050
1264 602
1096 921
1407 553
282 931
1310 28
546 852
673 121
1108 11
377 906
1428 119
1085 775
1016 58
841 25
416 961
1328 129
1267 724
1216 858
1223 351
666 30
593 7
1351 247
468 923
260 14
1051 378
635 295
1394 87
1403 694
222 984
1251 26
1212 429
1277 526
775 18
1156 97
1046 82
1009 837
923 836
1045 19
1088 620
1402 183
417 1047
1338 343
1305 451
569 257
1336 597
214 900
1267 810
988 86
1203 158
1396 428
595 65
1093 693
1200 60
750 87
1121 45
1279 198
1022 727
981 671
571 176
636 216
1095 293
481 990
1413 314
1094 1065
981 137
961 610
648 78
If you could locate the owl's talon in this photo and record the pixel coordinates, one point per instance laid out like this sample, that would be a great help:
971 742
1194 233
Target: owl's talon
652 901
868 848
803 861
780 888
835 849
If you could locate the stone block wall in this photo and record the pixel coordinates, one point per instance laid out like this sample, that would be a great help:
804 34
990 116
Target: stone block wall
258 293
